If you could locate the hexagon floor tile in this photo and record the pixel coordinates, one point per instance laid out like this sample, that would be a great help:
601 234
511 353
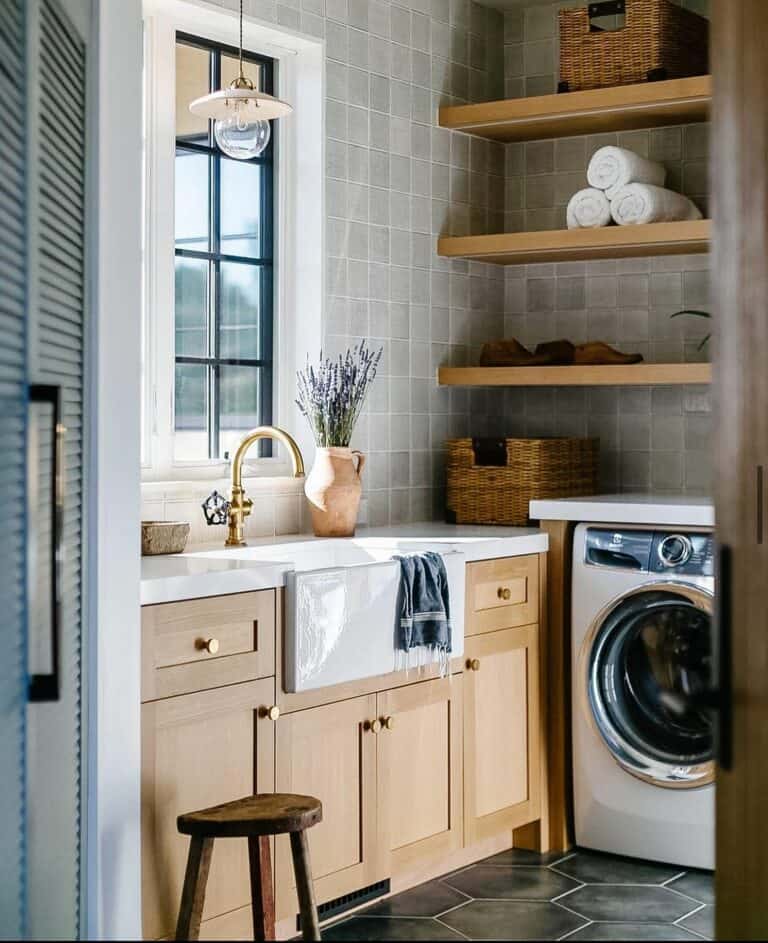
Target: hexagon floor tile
628 903
512 883
700 885
632 931
589 867
512 920
519 895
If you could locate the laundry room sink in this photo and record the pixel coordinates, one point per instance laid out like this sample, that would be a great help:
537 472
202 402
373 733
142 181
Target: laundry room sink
340 606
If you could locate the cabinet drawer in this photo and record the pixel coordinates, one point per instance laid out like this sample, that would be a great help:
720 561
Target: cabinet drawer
206 643
502 594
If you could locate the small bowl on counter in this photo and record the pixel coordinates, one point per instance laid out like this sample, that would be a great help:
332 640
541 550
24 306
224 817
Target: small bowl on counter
161 537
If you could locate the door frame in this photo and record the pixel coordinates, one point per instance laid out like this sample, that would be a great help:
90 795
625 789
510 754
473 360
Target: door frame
740 392
112 881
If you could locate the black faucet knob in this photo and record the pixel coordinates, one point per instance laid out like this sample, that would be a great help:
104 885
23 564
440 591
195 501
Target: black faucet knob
216 509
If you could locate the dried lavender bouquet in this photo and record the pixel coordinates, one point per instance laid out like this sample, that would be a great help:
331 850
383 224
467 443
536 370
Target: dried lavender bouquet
331 395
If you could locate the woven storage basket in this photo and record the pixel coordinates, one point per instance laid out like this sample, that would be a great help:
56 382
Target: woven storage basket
659 40
491 481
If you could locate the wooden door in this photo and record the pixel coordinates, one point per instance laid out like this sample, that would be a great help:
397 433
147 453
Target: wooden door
740 270
330 752
199 750
501 732
420 773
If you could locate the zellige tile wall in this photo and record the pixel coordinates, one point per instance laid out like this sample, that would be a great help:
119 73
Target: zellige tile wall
394 182
651 439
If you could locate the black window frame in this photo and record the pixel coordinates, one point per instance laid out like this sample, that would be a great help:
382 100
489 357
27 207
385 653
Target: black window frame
215 257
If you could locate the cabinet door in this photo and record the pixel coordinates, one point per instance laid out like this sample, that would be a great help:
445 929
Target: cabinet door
330 752
420 778
501 732
200 750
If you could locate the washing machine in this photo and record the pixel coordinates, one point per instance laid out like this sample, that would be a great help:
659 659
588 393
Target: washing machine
643 767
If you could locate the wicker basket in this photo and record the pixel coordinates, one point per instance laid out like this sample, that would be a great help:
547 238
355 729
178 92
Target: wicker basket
491 481
660 40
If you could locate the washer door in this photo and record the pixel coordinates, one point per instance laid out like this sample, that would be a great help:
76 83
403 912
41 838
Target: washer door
655 639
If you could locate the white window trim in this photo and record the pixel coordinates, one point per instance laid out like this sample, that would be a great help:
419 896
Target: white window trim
299 230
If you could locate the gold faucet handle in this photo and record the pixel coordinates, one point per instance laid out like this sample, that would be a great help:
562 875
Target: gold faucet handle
247 506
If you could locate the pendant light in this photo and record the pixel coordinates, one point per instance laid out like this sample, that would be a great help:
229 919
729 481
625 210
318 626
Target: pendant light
240 113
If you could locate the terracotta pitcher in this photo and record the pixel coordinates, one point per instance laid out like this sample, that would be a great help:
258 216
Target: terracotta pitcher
333 489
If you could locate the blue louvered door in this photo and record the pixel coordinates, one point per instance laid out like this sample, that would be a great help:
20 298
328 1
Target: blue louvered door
43 188
13 465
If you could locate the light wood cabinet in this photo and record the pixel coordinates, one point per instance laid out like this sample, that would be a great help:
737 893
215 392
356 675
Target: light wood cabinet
502 594
387 768
419 778
330 752
207 643
501 732
415 779
199 750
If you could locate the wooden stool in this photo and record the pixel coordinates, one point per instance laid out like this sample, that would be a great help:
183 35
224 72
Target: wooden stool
254 818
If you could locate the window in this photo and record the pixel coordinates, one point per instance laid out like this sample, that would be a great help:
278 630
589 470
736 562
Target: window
232 300
223 320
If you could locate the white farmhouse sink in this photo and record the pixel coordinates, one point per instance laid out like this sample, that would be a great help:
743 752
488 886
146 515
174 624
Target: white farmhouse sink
341 600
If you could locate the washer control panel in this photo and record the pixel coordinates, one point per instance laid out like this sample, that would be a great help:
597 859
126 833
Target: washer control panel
683 553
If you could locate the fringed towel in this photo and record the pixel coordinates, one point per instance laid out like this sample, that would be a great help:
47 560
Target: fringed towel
424 609
642 203
612 168
589 209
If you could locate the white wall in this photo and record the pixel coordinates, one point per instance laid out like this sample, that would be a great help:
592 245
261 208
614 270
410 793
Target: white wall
113 898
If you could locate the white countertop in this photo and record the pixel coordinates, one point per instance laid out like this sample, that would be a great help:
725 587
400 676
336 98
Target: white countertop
664 510
196 573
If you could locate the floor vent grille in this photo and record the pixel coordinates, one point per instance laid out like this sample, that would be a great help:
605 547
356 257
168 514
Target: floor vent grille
334 908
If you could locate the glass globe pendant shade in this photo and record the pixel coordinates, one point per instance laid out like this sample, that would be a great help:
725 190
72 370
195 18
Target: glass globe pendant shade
240 113
239 137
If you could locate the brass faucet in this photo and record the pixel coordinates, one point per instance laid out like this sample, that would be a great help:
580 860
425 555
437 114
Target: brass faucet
240 506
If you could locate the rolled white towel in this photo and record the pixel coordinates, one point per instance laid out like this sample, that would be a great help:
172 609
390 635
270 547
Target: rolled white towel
589 209
612 168
643 203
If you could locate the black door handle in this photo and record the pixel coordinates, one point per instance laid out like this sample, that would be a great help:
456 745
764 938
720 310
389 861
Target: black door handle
718 698
46 686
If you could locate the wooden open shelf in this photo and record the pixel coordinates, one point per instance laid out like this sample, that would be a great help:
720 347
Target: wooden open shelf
648 105
569 245
636 374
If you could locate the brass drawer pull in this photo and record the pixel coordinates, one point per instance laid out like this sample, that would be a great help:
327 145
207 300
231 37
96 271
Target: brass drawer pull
373 725
210 645
389 722
270 712
504 592
473 664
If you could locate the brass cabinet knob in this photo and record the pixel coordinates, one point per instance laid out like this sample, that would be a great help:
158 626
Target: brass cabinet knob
473 664
271 712
373 725
210 645
389 722
504 592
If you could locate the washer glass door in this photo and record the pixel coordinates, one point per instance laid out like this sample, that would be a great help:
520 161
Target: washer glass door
654 640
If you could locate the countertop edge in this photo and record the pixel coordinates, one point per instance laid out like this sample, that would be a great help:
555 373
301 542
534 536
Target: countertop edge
160 590
662 514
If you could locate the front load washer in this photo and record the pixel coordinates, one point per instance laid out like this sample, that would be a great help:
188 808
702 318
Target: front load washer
643 775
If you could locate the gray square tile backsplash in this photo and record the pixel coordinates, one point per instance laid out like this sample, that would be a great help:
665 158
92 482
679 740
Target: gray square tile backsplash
395 181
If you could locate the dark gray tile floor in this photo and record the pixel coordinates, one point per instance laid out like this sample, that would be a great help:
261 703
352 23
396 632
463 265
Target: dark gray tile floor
519 895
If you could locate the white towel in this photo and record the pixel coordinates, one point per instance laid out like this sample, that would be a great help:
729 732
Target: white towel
589 209
612 168
643 203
